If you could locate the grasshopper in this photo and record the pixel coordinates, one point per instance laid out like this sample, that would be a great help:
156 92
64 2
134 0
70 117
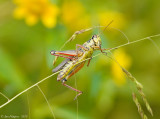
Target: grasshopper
75 59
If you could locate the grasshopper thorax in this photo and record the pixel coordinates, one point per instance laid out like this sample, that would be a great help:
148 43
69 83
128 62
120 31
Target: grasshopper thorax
97 40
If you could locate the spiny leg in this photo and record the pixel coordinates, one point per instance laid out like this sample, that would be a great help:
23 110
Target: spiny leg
103 52
72 58
102 49
107 49
71 74
66 52
89 61
69 53
77 50
75 70
79 92
81 46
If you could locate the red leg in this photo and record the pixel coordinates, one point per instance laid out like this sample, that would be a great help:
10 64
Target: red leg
71 74
96 47
67 52
81 46
101 49
75 70
70 53
72 58
89 61
106 48
79 92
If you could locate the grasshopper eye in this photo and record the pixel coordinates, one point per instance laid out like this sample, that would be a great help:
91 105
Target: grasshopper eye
94 36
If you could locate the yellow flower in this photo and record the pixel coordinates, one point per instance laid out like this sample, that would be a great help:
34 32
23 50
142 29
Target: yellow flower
125 61
74 16
107 16
33 10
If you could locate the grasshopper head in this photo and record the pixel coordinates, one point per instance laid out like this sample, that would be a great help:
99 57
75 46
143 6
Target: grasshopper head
97 40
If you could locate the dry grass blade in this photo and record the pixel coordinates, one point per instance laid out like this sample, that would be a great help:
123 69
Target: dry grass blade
145 101
139 87
140 110
10 100
156 46
4 96
47 102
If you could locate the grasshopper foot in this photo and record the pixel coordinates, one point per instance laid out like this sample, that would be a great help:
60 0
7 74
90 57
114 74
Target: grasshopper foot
78 95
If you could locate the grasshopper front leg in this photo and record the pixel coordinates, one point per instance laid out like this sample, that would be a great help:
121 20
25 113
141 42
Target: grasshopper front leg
101 49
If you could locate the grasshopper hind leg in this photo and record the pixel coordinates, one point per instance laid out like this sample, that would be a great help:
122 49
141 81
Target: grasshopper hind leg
71 74
79 92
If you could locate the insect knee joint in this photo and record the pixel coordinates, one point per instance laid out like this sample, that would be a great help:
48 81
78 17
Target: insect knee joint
52 52
64 80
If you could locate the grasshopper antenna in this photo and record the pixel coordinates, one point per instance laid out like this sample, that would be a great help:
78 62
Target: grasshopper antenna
102 32
106 27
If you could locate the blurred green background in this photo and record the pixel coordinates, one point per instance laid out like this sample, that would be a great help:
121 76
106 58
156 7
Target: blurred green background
30 29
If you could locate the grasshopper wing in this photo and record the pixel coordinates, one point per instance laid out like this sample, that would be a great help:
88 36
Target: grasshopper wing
60 66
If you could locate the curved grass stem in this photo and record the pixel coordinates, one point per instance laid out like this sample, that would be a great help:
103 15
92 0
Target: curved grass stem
10 100
47 102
